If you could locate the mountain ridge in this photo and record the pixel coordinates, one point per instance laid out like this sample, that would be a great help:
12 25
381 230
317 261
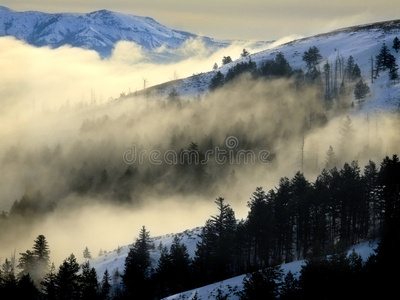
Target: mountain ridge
98 30
362 42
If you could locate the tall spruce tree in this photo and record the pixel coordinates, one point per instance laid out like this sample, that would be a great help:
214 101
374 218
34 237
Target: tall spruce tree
68 279
260 225
385 60
8 280
49 284
86 254
361 90
327 75
88 282
312 57
42 253
214 254
36 262
396 44
331 159
180 275
105 286
300 206
136 277
349 68
163 273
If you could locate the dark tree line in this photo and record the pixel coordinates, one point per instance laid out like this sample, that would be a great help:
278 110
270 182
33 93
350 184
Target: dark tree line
273 68
37 279
298 219
336 79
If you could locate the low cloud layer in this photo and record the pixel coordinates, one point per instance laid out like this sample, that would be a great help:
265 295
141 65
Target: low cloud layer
63 144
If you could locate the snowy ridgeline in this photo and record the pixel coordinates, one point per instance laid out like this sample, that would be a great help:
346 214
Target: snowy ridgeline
115 260
362 43
99 31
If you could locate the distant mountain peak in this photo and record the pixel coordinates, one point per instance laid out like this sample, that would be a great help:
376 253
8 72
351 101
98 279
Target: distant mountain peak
98 30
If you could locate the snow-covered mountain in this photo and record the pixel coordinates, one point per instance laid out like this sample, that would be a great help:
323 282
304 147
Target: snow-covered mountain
99 31
362 42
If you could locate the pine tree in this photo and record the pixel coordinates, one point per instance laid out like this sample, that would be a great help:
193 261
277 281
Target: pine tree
278 67
351 205
49 284
244 53
356 74
68 279
393 75
385 60
312 57
372 196
331 159
86 254
381 59
349 68
361 90
36 262
217 81
9 282
105 286
290 287
215 66
137 267
27 263
224 225
26 289
88 282
284 225
42 252
226 60
300 210
263 284
396 44
240 68
180 266
327 72
260 227
163 273
214 254
283 67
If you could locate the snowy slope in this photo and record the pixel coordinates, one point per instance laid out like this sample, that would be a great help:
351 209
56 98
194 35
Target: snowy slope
115 260
230 286
362 42
99 31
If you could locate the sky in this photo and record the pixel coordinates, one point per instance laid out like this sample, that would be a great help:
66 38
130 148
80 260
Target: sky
234 19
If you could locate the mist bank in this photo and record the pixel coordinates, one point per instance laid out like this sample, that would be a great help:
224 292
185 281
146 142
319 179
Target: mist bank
87 172
46 78
69 179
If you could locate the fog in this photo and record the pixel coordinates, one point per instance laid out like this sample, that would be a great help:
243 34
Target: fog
64 140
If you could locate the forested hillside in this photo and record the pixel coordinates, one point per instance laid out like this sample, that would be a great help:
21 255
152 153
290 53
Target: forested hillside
298 219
